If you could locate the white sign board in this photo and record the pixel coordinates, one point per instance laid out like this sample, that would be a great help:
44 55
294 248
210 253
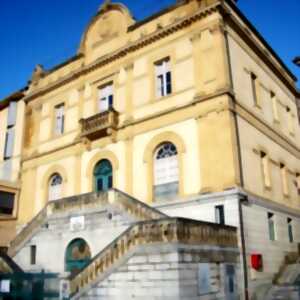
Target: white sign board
77 223
5 286
64 291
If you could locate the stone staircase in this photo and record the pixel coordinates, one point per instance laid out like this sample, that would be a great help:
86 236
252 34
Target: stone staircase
147 233
113 198
289 270
7 265
145 229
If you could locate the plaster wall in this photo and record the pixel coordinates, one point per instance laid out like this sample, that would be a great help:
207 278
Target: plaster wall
244 62
52 240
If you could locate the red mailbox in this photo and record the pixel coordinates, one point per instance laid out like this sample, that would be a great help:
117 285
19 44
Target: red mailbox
256 261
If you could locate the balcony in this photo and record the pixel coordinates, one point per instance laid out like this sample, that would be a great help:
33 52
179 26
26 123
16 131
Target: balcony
100 125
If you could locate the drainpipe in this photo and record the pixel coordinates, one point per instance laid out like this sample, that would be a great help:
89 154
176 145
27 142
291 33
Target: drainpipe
241 198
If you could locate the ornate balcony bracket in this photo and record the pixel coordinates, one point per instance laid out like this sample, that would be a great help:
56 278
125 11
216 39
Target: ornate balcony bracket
100 125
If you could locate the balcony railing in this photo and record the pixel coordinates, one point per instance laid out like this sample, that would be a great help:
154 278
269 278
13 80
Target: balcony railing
99 125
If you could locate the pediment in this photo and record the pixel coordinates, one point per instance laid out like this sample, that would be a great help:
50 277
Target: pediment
111 23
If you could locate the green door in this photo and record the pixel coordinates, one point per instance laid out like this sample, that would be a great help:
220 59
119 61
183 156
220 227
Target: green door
103 176
78 255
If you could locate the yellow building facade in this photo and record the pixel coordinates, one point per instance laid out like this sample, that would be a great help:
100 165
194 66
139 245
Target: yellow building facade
196 78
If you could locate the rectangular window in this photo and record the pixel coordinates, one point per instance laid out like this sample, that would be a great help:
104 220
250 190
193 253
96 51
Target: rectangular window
6 203
106 97
290 121
32 254
12 114
284 180
275 107
265 169
9 143
290 230
255 89
220 214
271 226
59 119
163 78
297 183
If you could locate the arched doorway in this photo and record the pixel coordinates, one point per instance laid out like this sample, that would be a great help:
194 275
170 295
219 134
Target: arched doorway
55 187
103 176
78 255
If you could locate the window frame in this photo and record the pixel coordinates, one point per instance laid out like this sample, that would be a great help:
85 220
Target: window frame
109 98
265 170
33 255
9 152
255 90
220 214
157 163
290 230
271 227
291 121
275 110
51 178
56 119
13 190
284 179
165 76
297 183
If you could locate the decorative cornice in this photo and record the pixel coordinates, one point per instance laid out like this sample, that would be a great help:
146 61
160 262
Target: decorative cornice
123 52
240 24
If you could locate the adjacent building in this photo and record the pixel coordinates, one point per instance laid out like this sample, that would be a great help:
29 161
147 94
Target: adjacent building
189 111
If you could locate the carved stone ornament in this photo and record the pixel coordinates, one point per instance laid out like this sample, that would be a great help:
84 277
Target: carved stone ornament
37 74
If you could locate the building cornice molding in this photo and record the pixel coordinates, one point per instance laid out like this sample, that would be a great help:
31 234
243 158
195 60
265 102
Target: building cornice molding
123 52
248 33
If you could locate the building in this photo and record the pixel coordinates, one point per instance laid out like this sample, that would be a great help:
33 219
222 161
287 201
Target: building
189 111
12 113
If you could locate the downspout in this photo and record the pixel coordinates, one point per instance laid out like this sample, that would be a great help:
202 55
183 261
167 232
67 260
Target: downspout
240 199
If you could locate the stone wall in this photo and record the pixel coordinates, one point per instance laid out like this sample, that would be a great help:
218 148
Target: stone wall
51 241
169 272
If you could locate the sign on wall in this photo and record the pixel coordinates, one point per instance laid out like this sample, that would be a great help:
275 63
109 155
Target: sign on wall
5 286
64 291
77 223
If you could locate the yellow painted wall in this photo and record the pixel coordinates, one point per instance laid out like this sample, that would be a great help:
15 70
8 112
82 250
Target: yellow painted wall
199 114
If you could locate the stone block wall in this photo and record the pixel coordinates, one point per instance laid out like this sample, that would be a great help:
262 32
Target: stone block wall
169 272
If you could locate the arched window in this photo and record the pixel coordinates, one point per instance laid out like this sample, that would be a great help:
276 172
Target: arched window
103 176
166 172
55 187
78 255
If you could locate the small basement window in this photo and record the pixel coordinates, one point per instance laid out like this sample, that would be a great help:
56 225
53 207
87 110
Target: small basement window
33 254
6 203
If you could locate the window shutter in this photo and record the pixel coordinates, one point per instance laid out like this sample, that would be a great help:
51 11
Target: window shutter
9 143
60 117
12 114
159 86
169 83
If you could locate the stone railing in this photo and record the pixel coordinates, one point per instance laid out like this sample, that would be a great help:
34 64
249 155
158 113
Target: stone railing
168 230
99 125
114 198
7 265
27 232
133 207
289 259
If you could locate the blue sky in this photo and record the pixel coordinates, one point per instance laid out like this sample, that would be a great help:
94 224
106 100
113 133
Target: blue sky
48 31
